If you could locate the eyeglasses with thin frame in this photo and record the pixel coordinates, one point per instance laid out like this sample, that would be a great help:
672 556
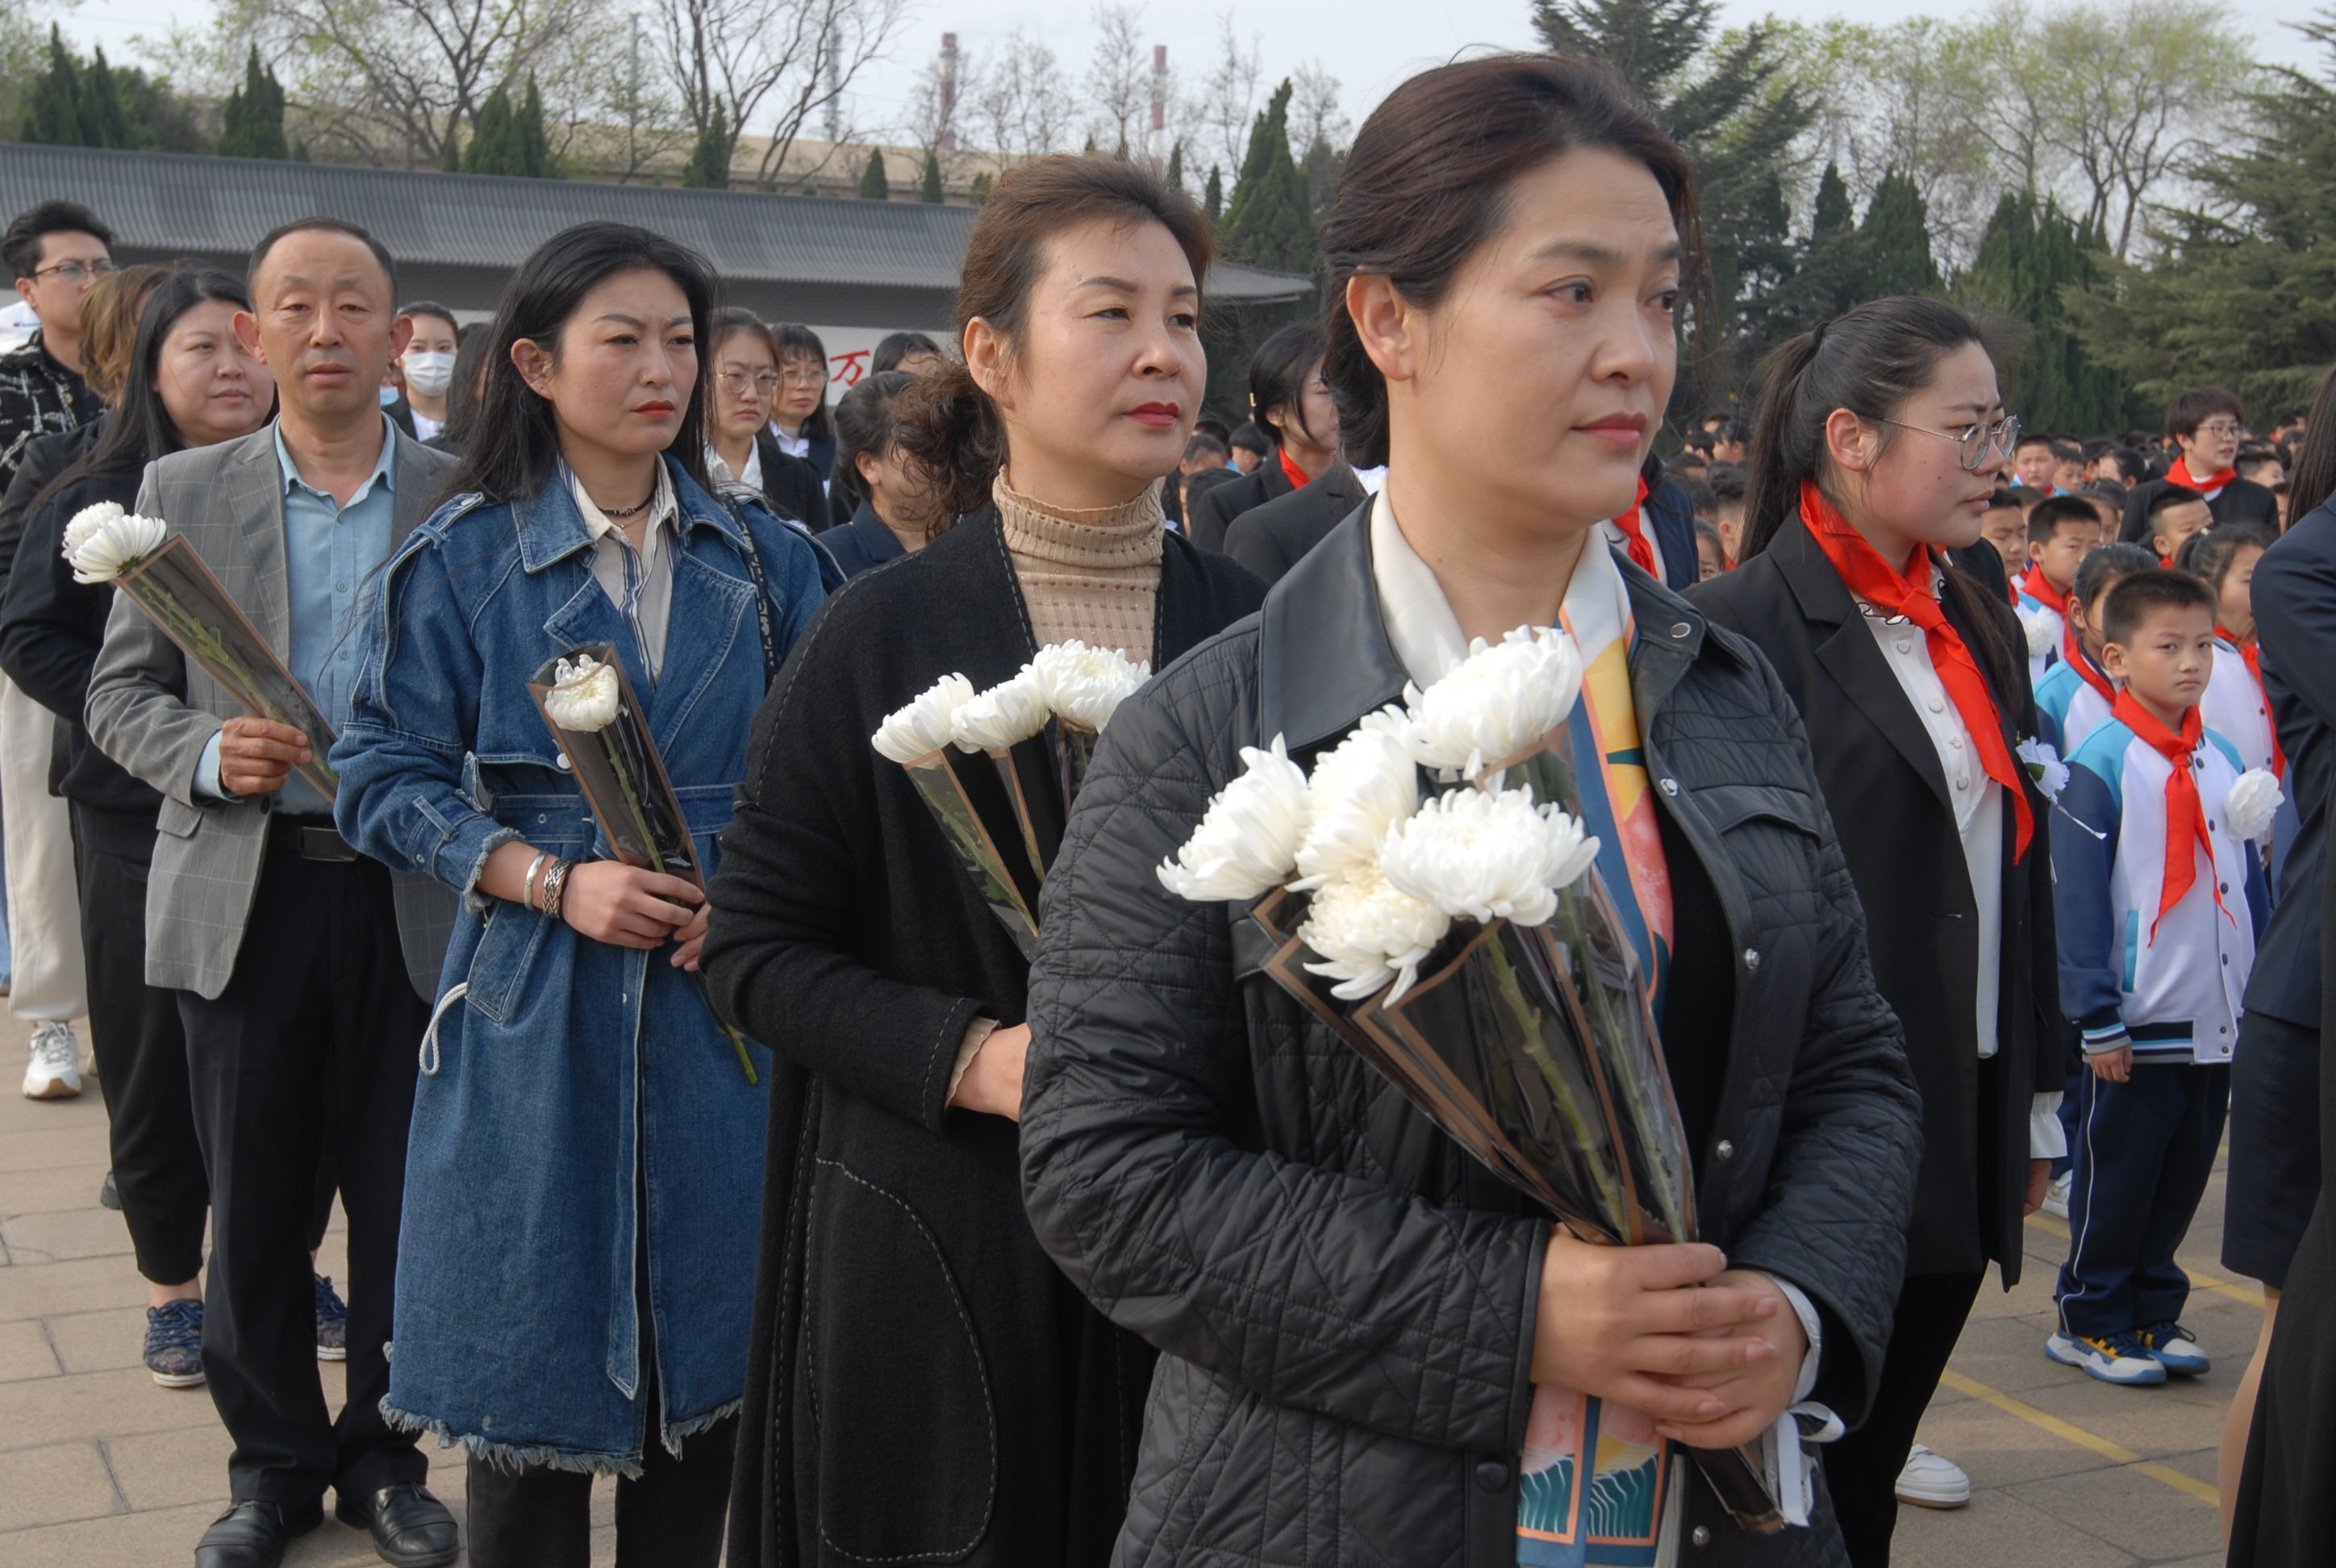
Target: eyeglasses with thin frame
766 382
2223 430
74 272
805 375
1977 442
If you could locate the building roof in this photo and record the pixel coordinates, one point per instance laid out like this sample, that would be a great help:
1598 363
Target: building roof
174 204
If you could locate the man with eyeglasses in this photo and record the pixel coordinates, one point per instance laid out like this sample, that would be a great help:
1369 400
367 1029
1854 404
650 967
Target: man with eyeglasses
55 250
2207 423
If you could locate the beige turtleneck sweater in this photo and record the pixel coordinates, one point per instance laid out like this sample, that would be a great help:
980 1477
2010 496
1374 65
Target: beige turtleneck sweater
1090 575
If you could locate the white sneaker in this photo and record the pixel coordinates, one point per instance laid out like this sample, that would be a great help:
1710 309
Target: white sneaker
55 1071
1932 1481
2056 1196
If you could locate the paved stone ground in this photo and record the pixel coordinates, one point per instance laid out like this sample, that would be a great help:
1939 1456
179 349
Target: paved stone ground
100 1469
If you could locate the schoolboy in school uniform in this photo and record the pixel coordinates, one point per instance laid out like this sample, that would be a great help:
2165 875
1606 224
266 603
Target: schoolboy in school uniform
2074 697
2060 534
2159 903
2176 514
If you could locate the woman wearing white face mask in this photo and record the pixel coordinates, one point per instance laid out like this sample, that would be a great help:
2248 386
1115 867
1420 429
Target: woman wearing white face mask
427 367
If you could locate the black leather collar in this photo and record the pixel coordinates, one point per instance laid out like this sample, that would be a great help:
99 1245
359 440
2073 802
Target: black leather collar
1324 660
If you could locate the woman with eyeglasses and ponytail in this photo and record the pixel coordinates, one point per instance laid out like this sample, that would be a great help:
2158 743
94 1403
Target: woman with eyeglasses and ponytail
1875 453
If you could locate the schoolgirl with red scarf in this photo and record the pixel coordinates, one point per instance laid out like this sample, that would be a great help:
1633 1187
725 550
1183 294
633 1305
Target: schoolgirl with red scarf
1910 674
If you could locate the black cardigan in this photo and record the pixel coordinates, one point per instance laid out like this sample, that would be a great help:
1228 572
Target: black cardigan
51 628
1882 777
908 1324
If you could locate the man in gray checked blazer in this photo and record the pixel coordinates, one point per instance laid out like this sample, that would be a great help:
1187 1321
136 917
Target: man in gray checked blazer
305 973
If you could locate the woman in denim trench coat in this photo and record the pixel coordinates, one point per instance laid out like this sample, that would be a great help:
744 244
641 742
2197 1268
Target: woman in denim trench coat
583 1179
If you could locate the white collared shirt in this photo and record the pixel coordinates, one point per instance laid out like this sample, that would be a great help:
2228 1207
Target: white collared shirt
615 565
751 477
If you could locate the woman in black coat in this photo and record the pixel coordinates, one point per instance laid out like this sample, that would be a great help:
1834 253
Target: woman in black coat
1362 1330
925 1385
1877 443
1289 402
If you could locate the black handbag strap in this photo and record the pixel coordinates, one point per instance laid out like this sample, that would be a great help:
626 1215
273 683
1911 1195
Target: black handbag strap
762 593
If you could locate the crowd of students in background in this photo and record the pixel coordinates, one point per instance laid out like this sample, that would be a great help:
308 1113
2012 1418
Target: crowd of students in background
2061 680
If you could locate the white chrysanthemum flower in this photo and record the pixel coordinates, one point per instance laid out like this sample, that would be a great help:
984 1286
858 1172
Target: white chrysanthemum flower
1360 789
914 736
1247 845
2045 766
88 520
1002 717
1368 932
110 543
1085 685
2253 802
1489 855
1496 705
2043 636
584 695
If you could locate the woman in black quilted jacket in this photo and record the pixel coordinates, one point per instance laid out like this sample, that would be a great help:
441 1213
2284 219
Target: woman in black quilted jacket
1353 1317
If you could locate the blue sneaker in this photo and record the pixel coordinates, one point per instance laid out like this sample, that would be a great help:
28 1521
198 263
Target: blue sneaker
174 1344
2123 1359
331 1322
2177 1350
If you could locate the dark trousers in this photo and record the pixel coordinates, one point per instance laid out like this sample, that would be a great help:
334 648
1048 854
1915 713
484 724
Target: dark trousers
671 1517
311 1047
1862 1469
2145 1149
141 1050
2273 1178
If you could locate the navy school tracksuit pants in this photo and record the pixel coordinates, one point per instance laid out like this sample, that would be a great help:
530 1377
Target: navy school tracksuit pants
2144 1150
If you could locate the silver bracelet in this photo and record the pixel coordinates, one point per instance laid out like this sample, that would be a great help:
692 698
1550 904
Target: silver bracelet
555 883
527 888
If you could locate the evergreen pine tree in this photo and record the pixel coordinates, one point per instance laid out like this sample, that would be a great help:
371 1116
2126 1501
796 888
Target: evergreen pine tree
1272 220
874 184
52 109
104 121
493 148
1213 199
709 159
979 194
1895 239
1830 215
531 143
300 150
928 190
1177 166
1827 274
449 151
253 124
1089 149
2031 254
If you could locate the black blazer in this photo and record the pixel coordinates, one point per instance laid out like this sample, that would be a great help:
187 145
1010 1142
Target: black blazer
1268 540
2241 501
791 484
1214 512
1889 796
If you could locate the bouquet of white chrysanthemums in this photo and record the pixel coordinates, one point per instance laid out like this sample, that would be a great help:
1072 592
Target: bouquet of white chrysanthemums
1429 892
997 820
161 573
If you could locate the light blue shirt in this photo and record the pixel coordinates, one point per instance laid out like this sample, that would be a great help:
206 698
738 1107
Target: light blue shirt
329 550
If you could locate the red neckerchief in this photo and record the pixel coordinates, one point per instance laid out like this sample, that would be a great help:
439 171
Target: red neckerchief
1292 471
2185 815
2038 586
2252 651
2180 474
1874 579
2072 653
1634 530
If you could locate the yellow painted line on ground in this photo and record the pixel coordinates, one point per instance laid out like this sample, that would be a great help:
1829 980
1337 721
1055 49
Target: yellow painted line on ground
2116 1453
2253 1297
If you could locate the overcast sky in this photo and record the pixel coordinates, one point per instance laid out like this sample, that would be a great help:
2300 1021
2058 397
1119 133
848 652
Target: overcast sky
1369 45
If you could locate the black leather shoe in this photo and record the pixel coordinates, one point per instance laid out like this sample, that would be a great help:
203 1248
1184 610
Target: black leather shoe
409 1528
253 1535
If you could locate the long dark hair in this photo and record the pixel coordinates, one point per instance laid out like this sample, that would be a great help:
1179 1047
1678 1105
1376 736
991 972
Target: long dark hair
513 439
949 426
867 419
1427 185
461 400
2311 480
140 428
1277 378
793 337
1868 360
